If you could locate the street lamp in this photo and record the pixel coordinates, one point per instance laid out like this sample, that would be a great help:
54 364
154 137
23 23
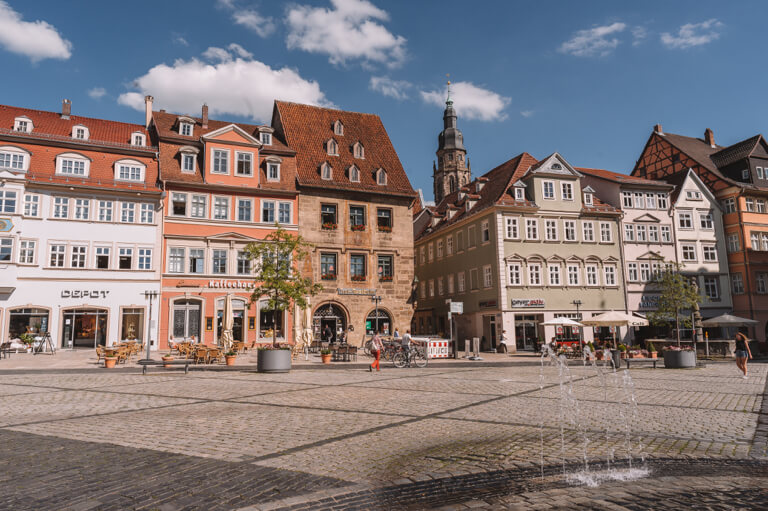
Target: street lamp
376 299
151 295
577 303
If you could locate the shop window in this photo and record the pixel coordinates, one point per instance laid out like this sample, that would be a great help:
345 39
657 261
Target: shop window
132 324
270 322
31 321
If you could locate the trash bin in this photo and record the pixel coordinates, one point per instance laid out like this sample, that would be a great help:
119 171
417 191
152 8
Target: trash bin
616 356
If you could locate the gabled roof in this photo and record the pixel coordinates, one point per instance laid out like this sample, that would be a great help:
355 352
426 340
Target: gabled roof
306 128
232 127
736 152
554 164
619 178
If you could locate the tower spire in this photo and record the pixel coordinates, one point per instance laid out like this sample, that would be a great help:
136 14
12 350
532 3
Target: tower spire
452 171
448 100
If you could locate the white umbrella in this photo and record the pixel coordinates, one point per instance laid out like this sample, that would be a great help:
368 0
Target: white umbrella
615 319
728 320
228 321
561 322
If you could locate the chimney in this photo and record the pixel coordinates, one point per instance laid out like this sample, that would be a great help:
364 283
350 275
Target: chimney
657 129
148 110
205 116
709 137
66 108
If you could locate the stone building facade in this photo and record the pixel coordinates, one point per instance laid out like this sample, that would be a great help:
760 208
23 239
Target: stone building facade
356 208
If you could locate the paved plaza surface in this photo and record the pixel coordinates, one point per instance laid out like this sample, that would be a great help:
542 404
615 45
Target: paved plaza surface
450 436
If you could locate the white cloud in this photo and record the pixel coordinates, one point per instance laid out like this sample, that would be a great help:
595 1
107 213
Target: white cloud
37 40
638 35
348 31
263 26
527 113
225 55
593 41
471 101
693 34
180 40
97 92
389 87
249 87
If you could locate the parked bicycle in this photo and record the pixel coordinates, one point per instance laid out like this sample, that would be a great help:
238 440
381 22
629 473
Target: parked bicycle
409 357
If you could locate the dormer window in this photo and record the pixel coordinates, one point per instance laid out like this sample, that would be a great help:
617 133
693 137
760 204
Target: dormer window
188 155
693 194
72 164
14 158
138 139
338 128
129 170
588 199
556 166
273 169
326 172
185 128
23 124
332 147
354 174
266 138
80 133
745 175
519 194
381 177
358 151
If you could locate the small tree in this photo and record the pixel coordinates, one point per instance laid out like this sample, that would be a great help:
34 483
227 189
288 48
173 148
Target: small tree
277 274
678 293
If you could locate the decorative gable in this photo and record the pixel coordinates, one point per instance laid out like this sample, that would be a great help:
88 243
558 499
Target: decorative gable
554 165
232 133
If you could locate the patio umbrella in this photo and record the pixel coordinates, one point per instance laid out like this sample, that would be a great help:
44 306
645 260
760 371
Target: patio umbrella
307 328
228 321
728 320
562 321
615 319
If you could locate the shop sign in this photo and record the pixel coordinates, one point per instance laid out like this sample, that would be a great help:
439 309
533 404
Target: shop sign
490 304
649 302
528 302
359 292
6 225
83 293
457 307
231 284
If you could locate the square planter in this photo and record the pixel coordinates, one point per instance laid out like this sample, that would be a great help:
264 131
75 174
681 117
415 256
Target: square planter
273 361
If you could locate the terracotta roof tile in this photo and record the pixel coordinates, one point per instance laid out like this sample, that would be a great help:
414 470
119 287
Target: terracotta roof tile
618 177
307 129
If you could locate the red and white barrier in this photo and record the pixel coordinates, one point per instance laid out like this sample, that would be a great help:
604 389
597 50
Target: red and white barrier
435 348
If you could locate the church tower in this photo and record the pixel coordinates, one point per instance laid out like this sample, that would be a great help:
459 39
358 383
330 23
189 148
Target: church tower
452 170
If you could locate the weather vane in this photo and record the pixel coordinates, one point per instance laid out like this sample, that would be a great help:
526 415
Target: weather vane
448 75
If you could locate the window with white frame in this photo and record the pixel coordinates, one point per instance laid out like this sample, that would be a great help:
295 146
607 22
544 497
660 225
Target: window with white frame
609 273
762 283
733 242
519 194
179 204
72 165
56 259
332 148
244 165
626 200
693 195
754 239
105 210
146 213
632 272
531 229
422 255
573 274
460 241
430 252
449 245
130 172
588 199
423 289
243 263
219 265
759 172
284 213
764 241
737 282
220 161
431 287
653 233
78 253
82 209
196 260
221 208
745 175
23 124
440 286
534 274
102 258
188 162
450 284
244 210
629 232
176 258
326 172
662 200
548 190
712 287
566 190
61 207
550 230
199 207
749 204
512 228
650 200
265 138
460 282
588 231
12 159
127 212
515 277
592 278
666 234
569 230
138 139
268 211
185 129
729 205
354 174
358 151
760 205
6 249
145 259
641 233
605 232
639 200
273 171
689 252
31 205
8 199
554 274
439 249
487 276
381 177
710 253
485 232
27 251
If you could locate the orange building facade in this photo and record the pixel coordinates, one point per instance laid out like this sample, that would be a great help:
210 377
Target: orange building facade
226 185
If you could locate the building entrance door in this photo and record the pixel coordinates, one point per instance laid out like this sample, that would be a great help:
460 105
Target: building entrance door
186 319
525 332
84 328
329 315
489 332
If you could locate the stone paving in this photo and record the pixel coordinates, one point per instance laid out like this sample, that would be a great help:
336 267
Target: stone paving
455 436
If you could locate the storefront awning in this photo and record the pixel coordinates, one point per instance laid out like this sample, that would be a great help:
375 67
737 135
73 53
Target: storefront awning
6 290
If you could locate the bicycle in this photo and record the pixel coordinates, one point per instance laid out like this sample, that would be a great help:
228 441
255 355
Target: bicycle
409 356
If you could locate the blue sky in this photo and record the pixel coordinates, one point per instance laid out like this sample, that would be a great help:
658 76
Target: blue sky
587 79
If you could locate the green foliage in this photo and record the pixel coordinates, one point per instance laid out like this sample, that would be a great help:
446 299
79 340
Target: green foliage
278 278
622 347
679 296
230 354
325 351
651 347
27 338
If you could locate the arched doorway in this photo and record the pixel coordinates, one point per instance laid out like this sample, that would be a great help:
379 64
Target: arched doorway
186 319
84 328
378 320
332 317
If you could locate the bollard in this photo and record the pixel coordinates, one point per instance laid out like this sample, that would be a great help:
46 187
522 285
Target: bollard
466 348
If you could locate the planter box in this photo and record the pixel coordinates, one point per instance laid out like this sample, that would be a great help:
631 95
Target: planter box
273 361
679 359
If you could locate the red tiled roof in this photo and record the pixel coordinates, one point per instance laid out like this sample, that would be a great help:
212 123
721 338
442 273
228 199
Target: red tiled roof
306 130
50 126
618 177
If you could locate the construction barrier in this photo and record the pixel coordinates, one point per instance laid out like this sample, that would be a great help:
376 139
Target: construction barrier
435 348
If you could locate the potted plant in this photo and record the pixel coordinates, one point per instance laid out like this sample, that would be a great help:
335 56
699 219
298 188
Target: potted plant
385 228
678 357
329 226
28 340
623 350
358 227
325 354
652 350
230 357
109 362
167 358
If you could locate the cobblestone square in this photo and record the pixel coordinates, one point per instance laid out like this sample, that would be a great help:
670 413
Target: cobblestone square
447 436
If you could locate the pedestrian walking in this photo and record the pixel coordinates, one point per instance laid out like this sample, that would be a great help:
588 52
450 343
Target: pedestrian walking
376 347
327 334
742 353
502 347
